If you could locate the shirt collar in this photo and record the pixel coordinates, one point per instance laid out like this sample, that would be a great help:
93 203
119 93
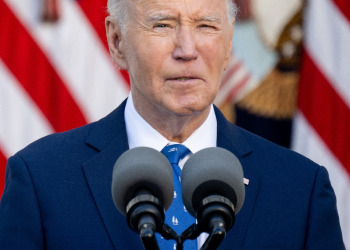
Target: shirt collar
142 134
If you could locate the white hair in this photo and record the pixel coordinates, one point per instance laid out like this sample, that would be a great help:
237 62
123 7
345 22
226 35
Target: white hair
118 9
231 10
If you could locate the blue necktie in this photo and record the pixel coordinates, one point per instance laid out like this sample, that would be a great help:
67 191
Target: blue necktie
177 217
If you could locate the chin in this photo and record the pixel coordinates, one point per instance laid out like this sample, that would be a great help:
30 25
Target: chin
192 109
186 105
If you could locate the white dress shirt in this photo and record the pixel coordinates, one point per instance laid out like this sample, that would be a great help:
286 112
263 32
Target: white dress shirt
142 134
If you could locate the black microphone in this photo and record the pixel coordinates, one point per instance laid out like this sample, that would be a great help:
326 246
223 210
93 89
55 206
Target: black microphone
142 190
213 191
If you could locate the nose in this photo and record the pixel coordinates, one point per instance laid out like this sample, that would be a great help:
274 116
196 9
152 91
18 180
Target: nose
185 45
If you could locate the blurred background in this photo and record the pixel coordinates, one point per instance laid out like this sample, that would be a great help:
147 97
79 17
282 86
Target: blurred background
288 79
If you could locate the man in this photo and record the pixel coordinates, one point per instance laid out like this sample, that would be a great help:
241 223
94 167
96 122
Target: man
57 193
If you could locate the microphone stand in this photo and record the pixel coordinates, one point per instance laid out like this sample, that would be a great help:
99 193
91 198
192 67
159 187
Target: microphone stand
215 216
149 241
145 215
216 236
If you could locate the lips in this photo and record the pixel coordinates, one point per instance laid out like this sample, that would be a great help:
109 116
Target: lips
183 78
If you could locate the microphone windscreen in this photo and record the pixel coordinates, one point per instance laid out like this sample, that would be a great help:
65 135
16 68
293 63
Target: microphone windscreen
138 169
212 171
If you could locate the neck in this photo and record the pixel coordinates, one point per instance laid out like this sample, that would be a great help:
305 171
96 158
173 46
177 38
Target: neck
174 127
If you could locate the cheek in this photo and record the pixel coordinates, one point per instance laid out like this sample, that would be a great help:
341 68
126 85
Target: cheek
214 53
144 71
138 63
149 57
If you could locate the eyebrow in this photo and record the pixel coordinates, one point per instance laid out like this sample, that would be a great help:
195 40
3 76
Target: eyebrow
210 18
161 17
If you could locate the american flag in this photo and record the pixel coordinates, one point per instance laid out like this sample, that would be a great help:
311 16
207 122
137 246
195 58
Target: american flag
322 125
56 73
55 70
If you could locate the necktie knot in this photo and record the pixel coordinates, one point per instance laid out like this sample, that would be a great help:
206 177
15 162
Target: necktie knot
175 153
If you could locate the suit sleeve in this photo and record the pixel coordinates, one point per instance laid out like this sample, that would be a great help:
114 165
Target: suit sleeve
20 221
323 230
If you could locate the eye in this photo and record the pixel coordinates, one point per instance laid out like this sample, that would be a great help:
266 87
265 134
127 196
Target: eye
208 27
161 25
205 26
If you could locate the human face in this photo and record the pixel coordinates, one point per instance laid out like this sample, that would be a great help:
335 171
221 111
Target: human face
175 52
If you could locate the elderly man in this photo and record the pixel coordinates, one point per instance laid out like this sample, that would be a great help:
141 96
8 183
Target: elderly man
57 193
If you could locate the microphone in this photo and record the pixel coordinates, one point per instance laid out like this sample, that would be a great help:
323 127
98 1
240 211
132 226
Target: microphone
142 189
213 191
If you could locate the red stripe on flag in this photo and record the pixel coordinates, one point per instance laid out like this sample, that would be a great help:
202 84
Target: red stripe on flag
95 11
2 172
344 6
325 110
33 70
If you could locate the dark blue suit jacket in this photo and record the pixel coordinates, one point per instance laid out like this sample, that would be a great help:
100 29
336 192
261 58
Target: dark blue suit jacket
58 194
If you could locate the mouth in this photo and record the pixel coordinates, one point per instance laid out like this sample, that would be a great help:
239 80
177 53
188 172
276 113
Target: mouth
182 79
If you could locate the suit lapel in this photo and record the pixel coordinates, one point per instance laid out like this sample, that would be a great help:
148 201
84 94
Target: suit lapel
109 137
231 138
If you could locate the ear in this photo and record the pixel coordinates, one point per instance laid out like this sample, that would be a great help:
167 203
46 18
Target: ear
228 55
115 42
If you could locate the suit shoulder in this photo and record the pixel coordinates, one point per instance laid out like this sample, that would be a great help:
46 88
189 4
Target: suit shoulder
273 153
76 145
54 143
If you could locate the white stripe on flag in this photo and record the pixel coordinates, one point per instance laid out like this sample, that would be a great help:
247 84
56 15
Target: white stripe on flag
327 39
21 120
314 148
77 55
